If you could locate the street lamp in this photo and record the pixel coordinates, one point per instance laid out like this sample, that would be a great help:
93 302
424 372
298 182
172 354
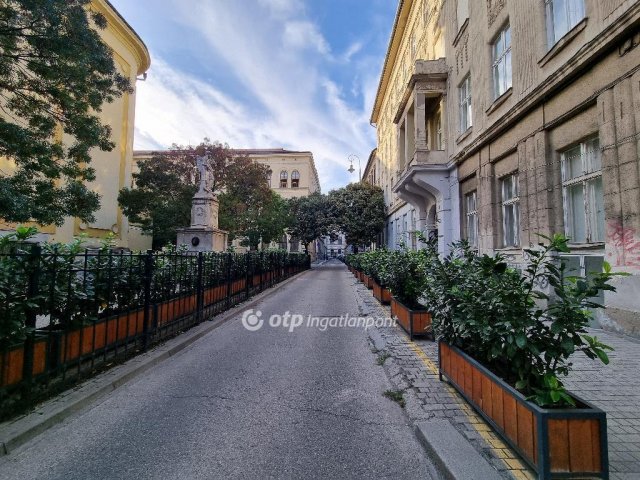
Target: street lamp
351 169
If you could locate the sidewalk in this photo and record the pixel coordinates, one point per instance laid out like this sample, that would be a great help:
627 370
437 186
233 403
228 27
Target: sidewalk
413 367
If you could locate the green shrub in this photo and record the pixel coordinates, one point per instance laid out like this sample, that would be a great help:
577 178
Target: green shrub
497 315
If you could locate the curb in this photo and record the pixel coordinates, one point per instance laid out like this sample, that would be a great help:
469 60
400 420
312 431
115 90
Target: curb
454 457
17 432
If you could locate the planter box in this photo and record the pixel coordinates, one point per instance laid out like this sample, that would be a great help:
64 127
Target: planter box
12 361
368 281
566 442
414 322
383 295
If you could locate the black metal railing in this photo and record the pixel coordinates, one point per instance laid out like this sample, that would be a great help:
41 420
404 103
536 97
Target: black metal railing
65 312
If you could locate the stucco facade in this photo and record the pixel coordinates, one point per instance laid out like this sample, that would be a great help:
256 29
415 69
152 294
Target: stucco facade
293 173
112 169
524 121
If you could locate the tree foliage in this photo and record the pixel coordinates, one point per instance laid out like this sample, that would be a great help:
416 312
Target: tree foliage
55 75
310 217
160 200
249 209
255 223
357 210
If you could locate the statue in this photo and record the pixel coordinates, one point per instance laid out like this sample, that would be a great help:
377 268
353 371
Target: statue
203 235
202 164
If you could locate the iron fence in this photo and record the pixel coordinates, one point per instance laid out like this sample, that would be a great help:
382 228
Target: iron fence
65 313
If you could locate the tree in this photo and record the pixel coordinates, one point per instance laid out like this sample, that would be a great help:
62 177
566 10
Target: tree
55 75
249 209
260 223
160 202
309 217
358 210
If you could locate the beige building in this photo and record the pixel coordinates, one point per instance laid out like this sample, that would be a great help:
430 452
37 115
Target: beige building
293 173
113 169
501 119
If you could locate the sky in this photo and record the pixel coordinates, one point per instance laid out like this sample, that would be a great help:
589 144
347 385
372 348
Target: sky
296 74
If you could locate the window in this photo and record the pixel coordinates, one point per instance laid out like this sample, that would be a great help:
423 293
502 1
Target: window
464 93
284 179
425 11
439 135
405 229
295 179
413 234
471 213
562 16
510 211
502 62
582 192
585 266
269 173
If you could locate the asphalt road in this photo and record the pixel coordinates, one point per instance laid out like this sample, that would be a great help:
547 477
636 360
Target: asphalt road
241 404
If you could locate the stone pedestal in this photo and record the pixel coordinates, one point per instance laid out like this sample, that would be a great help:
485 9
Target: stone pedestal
203 235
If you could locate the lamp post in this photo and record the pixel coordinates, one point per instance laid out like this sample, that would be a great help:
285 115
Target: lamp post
351 169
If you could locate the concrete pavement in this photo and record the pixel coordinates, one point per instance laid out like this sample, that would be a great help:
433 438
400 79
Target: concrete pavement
241 404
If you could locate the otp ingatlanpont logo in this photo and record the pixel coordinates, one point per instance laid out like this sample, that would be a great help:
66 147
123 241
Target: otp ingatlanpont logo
252 321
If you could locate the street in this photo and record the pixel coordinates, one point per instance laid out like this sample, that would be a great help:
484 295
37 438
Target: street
240 404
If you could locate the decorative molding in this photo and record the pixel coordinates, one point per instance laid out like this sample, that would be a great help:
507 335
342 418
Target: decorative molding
462 53
494 7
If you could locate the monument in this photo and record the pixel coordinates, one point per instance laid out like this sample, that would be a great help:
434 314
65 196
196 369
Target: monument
203 235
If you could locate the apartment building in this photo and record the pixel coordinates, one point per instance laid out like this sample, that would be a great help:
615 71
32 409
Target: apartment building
502 119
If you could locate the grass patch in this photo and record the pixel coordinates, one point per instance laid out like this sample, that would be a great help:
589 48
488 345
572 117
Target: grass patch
397 396
382 358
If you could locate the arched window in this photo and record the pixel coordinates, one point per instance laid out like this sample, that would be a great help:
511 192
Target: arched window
284 177
295 179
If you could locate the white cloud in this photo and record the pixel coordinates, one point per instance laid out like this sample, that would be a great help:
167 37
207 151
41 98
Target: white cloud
303 34
288 98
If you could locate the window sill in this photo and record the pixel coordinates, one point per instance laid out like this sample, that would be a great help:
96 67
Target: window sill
499 101
511 249
585 246
563 42
464 135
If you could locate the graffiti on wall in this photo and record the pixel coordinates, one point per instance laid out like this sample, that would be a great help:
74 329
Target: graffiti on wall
623 245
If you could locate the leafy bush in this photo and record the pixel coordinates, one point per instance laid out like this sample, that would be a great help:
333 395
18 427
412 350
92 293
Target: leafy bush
72 285
498 315
402 271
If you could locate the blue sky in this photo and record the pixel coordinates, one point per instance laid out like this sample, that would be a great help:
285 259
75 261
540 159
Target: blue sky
297 74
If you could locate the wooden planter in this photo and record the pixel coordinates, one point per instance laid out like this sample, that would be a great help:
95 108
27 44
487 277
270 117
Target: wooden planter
383 295
12 361
566 442
414 322
368 281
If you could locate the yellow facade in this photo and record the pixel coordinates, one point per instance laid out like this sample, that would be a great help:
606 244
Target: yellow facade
113 169
417 35
289 164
